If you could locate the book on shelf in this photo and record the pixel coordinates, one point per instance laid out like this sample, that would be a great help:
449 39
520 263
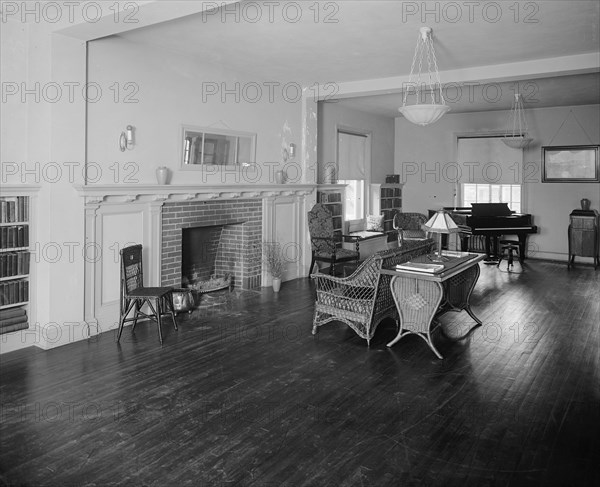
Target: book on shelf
12 292
4 322
15 327
14 209
420 267
5 314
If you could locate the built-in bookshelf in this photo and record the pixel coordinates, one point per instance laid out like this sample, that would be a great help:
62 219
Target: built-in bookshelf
15 259
386 200
333 199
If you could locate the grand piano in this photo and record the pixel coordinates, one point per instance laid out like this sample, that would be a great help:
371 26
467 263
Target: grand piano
493 220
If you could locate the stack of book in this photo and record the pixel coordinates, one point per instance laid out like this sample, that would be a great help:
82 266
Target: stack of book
12 320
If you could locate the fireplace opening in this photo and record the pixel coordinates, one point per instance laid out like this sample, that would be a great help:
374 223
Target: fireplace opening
209 256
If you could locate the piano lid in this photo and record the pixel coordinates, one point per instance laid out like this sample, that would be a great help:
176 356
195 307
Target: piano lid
490 209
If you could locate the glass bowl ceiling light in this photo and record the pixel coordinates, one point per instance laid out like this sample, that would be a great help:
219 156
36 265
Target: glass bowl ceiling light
516 132
424 113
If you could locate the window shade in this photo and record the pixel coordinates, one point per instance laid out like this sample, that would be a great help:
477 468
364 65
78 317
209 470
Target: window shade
351 155
488 160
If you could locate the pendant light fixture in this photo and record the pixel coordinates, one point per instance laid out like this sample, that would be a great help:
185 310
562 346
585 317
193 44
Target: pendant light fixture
424 113
516 133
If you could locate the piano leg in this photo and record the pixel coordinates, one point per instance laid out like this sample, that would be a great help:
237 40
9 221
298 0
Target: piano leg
522 246
492 252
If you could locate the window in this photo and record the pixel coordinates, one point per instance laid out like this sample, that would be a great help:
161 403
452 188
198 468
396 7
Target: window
492 193
490 172
355 197
353 159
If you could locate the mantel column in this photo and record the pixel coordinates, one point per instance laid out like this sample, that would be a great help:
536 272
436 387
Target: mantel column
89 282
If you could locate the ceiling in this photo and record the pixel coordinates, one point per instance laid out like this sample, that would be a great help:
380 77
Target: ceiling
358 45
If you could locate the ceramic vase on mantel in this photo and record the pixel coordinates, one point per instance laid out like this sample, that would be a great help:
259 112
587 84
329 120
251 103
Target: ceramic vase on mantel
280 177
162 175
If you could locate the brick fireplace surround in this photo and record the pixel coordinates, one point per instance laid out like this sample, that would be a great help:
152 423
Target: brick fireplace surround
242 221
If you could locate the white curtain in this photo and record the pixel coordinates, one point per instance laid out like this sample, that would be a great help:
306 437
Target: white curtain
488 160
351 155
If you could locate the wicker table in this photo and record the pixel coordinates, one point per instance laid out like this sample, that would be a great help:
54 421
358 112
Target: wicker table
421 297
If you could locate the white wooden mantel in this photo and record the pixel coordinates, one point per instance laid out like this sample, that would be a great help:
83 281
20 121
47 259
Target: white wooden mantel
109 208
119 193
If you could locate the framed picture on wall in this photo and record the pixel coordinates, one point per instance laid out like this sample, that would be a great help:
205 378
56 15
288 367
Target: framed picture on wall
570 164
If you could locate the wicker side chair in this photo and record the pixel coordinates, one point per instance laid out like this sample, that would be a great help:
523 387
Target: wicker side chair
363 299
134 295
323 240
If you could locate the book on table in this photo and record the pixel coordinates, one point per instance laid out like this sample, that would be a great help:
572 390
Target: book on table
420 267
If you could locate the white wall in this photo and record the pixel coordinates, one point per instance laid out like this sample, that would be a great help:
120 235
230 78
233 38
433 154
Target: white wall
422 153
165 91
332 114
43 144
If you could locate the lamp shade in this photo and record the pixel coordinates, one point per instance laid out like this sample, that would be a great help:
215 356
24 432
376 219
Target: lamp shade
423 114
441 222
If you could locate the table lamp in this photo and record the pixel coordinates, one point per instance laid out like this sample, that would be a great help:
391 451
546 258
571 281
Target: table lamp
440 223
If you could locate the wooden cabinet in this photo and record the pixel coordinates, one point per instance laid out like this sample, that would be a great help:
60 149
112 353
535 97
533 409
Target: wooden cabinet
386 200
14 262
332 197
584 235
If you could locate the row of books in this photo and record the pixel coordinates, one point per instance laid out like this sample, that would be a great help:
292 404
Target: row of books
12 320
390 192
391 203
14 263
12 292
14 210
14 236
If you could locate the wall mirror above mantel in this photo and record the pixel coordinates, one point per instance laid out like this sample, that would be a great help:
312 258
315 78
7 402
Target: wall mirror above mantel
204 147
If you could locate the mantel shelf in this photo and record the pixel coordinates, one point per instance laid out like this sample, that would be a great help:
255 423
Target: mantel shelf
95 194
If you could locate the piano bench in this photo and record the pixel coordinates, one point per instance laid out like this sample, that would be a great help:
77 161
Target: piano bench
511 246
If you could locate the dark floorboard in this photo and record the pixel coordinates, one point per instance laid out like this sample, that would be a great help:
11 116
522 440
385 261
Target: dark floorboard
244 395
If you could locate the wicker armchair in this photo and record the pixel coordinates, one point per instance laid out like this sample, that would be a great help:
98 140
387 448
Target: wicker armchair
409 226
363 299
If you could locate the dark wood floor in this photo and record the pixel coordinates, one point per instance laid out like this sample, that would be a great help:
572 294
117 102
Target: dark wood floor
244 395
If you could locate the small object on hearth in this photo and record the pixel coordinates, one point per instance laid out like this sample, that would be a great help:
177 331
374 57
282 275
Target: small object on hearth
183 300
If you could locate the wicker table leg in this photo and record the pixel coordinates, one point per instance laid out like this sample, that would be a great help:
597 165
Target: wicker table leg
417 301
457 292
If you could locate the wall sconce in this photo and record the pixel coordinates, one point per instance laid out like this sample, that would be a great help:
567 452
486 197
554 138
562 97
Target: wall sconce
289 152
126 139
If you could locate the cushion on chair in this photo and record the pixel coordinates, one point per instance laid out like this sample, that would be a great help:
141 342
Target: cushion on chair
374 223
339 254
414 234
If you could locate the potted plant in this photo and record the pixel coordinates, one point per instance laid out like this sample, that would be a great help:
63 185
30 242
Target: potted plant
275 262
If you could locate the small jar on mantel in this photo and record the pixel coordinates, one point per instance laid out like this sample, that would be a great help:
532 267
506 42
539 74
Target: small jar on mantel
162 175
280 177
